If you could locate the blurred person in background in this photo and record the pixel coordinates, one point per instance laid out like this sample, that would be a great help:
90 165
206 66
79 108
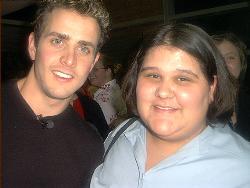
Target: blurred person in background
90 110
233 51
108 95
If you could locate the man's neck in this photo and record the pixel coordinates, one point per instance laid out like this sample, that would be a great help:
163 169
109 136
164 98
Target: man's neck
39 102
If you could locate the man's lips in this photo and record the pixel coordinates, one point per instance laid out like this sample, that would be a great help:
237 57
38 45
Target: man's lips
63 74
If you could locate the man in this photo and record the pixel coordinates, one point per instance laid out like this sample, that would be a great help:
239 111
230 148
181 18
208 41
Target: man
108 95
46 144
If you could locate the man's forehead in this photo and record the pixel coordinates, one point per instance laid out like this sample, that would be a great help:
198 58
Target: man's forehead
83 29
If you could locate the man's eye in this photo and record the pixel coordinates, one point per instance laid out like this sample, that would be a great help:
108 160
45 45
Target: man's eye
85 49
56 41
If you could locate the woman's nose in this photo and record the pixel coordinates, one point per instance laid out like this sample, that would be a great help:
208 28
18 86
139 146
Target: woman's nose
165 90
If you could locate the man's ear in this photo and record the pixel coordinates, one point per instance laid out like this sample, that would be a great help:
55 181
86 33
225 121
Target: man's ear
95 61
212 91
32 46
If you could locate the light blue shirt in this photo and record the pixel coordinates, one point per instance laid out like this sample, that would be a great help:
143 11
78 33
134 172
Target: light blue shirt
217 158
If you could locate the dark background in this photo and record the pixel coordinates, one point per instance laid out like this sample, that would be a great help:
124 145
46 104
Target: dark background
132 20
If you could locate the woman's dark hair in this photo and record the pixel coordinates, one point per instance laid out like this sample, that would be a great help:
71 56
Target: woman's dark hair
241 47
196 42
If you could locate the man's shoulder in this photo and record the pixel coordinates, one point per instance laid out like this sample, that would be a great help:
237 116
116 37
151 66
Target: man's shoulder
82 125
8 86
9 93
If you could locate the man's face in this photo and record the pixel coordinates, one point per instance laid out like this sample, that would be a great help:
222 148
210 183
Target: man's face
65 53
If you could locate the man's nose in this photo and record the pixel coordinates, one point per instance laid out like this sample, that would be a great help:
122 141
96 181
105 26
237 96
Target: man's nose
68 57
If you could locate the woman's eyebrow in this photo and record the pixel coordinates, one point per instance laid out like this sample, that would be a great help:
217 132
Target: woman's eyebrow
149 68
188 72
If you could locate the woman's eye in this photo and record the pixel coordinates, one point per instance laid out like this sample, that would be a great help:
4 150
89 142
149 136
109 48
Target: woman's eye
183 79
230 58
152 75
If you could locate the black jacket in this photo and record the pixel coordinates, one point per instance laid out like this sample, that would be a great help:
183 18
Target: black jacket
94 114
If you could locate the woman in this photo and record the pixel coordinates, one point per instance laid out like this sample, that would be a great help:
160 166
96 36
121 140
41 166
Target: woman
182 93
108 95
233 51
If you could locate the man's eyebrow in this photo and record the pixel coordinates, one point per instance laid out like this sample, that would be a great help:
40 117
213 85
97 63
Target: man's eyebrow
59 35
86 43
66 37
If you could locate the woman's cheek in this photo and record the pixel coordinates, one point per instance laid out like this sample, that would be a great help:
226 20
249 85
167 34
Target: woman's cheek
185 97
145 90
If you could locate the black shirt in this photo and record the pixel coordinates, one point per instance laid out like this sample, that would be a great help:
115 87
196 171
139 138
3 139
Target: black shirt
35 156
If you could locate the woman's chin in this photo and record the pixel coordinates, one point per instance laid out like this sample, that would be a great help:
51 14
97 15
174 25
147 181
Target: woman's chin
162 127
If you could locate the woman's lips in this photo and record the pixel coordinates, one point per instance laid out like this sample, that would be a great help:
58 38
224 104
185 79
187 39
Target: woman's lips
165 108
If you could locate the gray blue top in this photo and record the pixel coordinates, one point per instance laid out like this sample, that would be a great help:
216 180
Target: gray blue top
217 158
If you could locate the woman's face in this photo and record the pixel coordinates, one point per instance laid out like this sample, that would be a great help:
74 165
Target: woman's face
231 56
173 94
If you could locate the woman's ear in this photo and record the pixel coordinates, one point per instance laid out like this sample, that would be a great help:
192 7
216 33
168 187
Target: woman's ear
212 91
32 46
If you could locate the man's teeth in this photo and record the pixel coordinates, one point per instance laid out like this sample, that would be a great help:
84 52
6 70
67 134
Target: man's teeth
63 75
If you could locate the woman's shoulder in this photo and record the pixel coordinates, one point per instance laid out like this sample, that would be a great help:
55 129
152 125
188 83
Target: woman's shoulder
244 93
127 127
224 140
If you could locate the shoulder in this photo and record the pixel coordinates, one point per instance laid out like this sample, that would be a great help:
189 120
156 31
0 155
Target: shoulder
9 86
228 143
115 86
223 149
86 129
244 96
10 95
87 102
130 133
